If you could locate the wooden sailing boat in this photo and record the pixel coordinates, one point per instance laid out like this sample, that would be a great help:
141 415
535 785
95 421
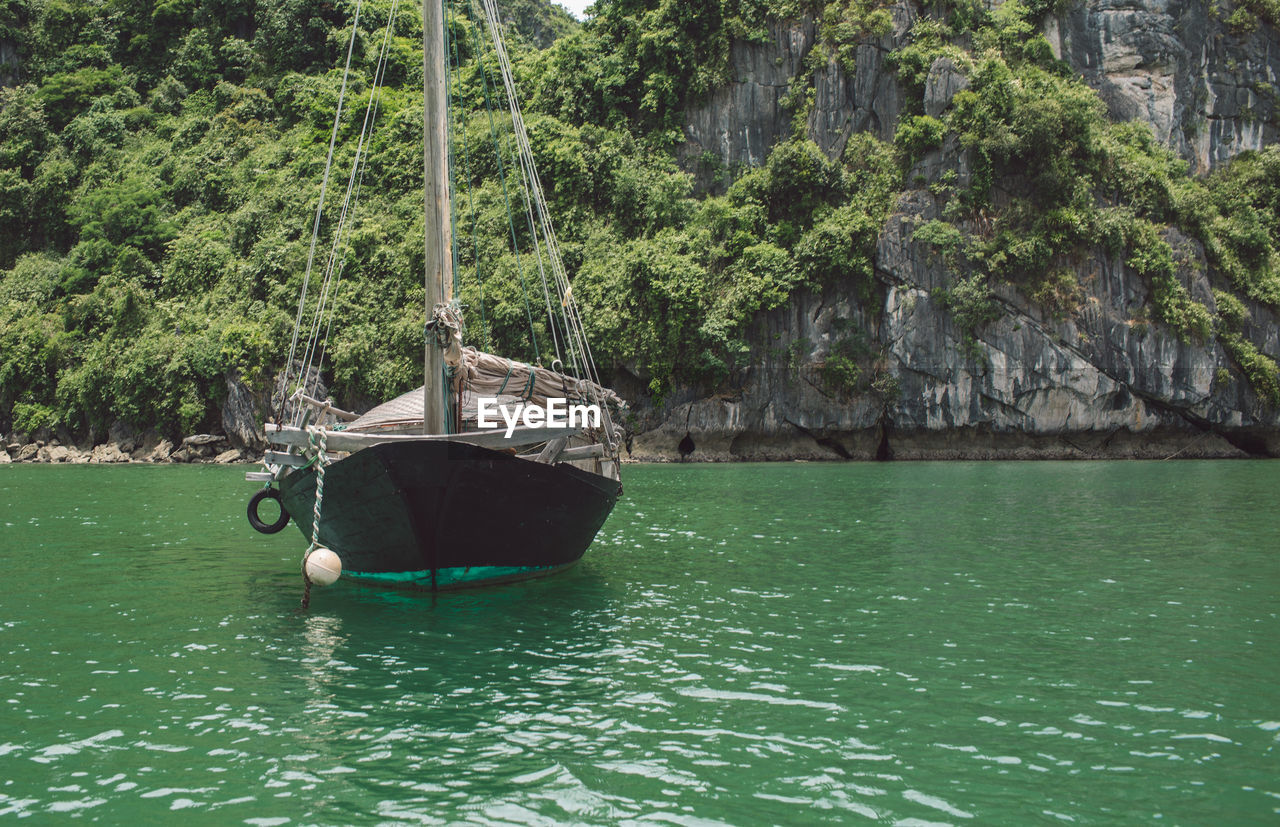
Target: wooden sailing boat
413 493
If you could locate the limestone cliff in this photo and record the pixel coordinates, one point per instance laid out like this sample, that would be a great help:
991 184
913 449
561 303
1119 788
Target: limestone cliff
1207 91
1097 380
738 124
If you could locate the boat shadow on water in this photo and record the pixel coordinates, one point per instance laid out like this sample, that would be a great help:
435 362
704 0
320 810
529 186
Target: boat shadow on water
580 592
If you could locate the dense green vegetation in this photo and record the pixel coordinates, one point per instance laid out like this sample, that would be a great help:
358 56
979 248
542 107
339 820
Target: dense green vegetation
1069 178
1246 16
160 165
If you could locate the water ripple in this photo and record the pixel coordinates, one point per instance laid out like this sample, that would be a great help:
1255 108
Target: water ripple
913 644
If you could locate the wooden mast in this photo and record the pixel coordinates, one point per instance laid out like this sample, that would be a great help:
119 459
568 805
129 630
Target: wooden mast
438 241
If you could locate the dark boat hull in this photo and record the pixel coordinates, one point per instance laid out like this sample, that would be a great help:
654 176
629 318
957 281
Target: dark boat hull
440 515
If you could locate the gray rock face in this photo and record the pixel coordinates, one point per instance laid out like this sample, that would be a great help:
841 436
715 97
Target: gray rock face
1097 382
108 453
1095 373
941 86
53 453
784 409
10 63
1093 385
123 436
239 416
1098 379
738 125
146 446
870 100
1208 92
161 452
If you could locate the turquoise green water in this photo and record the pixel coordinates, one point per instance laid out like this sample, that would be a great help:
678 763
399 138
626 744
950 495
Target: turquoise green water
908 643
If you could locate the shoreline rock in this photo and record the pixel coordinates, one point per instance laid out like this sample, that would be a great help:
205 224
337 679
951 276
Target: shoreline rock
961 445
126 446
664 444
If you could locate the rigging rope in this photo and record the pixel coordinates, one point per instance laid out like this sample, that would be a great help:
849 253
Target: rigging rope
449 153
355 182
506 198
529 174
335 263
571 316
528 199
455 59
324 183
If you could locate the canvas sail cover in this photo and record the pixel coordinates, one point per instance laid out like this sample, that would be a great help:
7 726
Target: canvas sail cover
484 374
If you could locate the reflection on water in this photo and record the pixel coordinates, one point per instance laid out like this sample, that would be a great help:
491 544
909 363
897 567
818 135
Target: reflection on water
915 644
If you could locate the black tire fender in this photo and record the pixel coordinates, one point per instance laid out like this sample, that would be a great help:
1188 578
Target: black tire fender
258 525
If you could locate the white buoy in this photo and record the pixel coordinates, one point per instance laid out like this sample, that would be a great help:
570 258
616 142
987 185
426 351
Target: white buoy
323 566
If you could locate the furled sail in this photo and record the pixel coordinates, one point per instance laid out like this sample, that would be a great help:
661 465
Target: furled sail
507 380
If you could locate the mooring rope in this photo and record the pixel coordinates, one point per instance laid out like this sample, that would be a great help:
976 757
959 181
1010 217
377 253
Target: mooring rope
318 441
